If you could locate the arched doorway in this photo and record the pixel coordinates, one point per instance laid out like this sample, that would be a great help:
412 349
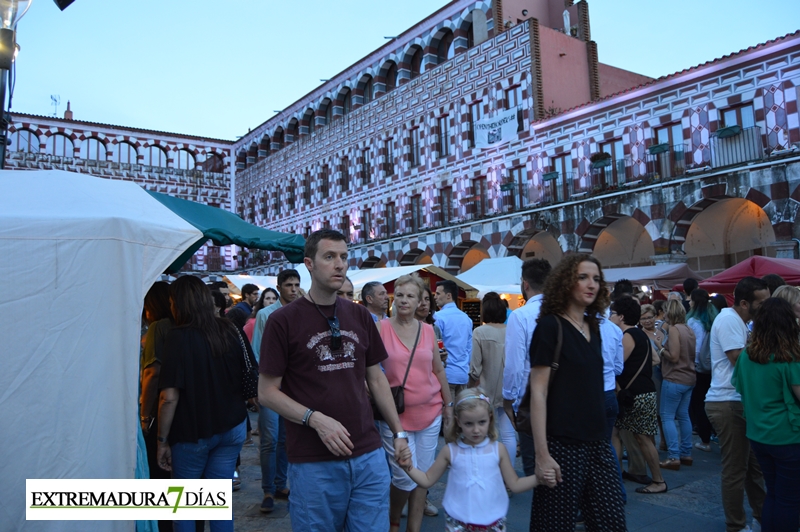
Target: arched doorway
624 243
726 233
373 262
465 255
415 256
542 245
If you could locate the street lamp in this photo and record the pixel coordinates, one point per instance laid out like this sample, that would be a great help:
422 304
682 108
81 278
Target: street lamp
11 11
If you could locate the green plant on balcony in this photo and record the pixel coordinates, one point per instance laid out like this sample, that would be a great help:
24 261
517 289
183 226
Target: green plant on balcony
600 160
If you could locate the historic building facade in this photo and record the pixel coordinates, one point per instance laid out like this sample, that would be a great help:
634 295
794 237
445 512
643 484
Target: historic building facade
185 166
702 165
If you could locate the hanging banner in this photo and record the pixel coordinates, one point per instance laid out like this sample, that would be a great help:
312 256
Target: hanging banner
499 129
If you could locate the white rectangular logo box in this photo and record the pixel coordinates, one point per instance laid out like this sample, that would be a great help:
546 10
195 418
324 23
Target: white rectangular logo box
128 499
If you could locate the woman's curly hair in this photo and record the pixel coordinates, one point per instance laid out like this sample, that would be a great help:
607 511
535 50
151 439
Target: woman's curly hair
775 332
561 281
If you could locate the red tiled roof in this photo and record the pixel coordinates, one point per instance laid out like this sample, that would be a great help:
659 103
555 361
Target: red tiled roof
679 73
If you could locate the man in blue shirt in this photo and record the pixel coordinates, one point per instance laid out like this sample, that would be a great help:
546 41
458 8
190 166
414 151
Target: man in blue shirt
519 332
249 298
456 329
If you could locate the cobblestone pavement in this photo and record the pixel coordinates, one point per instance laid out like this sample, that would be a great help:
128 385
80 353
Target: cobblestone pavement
693 502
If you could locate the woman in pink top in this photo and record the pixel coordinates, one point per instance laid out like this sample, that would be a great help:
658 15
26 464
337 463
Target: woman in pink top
427 396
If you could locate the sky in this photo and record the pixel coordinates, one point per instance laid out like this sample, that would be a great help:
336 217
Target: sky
216 68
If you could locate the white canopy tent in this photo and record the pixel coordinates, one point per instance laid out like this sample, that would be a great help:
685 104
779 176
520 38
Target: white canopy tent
659 277
79 253
501 275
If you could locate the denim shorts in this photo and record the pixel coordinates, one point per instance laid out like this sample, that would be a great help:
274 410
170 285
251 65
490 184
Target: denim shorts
350 495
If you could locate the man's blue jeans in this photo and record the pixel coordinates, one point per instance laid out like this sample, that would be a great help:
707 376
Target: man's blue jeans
274 463
781 467
675 399
211 458
340 495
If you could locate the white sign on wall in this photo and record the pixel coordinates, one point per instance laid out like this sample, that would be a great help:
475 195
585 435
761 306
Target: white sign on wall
499 129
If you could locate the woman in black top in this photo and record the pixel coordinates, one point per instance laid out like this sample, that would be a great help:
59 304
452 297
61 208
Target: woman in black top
640 419
568 410
201 414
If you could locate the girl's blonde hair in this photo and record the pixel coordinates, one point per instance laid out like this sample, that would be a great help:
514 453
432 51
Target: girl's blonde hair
470 399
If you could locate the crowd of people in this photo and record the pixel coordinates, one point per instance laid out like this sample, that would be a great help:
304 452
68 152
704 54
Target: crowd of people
353 398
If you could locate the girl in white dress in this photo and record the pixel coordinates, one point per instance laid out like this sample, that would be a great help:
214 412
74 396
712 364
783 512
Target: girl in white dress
475 498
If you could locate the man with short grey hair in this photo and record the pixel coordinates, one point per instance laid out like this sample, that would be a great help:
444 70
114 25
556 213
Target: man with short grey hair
376 299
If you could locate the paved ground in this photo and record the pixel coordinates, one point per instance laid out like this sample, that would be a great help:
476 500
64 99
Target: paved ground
693 502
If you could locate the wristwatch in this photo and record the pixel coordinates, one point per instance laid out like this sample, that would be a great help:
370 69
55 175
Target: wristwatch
402 434
161 440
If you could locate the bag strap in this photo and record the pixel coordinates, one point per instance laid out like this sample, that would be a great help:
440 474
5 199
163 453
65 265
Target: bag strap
413 350
244 350
557 354
649 352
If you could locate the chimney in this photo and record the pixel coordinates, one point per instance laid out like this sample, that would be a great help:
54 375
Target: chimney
68 112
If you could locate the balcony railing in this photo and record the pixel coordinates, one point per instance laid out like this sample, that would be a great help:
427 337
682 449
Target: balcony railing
736 145
611 174
557 187
665 161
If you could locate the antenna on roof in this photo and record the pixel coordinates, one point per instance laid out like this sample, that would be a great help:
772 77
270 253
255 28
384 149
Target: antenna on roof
55 101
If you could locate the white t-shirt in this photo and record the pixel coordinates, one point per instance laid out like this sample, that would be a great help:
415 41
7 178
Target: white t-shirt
728 332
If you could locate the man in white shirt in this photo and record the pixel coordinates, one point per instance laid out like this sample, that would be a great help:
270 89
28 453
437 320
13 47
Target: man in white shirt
740 470
519 331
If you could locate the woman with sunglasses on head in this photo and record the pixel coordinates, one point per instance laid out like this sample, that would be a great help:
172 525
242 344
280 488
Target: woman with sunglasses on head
568 415
415 365
767 375
201 412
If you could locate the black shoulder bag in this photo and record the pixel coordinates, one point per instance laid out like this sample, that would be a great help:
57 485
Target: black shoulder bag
523 417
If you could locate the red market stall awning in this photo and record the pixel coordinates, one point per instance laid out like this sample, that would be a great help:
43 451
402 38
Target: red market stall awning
755 266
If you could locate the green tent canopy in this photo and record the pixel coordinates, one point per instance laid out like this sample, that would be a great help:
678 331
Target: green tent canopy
225 228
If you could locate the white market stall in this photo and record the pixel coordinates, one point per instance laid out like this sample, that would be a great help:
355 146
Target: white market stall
658 277
78 254
501 275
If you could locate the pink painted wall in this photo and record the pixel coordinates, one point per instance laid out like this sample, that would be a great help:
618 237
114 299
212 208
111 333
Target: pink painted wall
614 80
565 78
548 12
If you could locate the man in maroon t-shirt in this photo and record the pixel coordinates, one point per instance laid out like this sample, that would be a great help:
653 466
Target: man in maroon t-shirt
317 352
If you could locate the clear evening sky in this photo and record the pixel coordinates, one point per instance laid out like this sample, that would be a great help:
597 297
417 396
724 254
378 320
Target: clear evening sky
217 68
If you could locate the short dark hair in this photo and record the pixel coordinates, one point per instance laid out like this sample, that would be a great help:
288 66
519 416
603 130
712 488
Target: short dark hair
535 272
628 309
622 288
658 305
492 309
249 288
219 301
746 288
238 317
312 243
287 274
369 289
218 284
719 301
773 281
156 301
449 287
689 285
